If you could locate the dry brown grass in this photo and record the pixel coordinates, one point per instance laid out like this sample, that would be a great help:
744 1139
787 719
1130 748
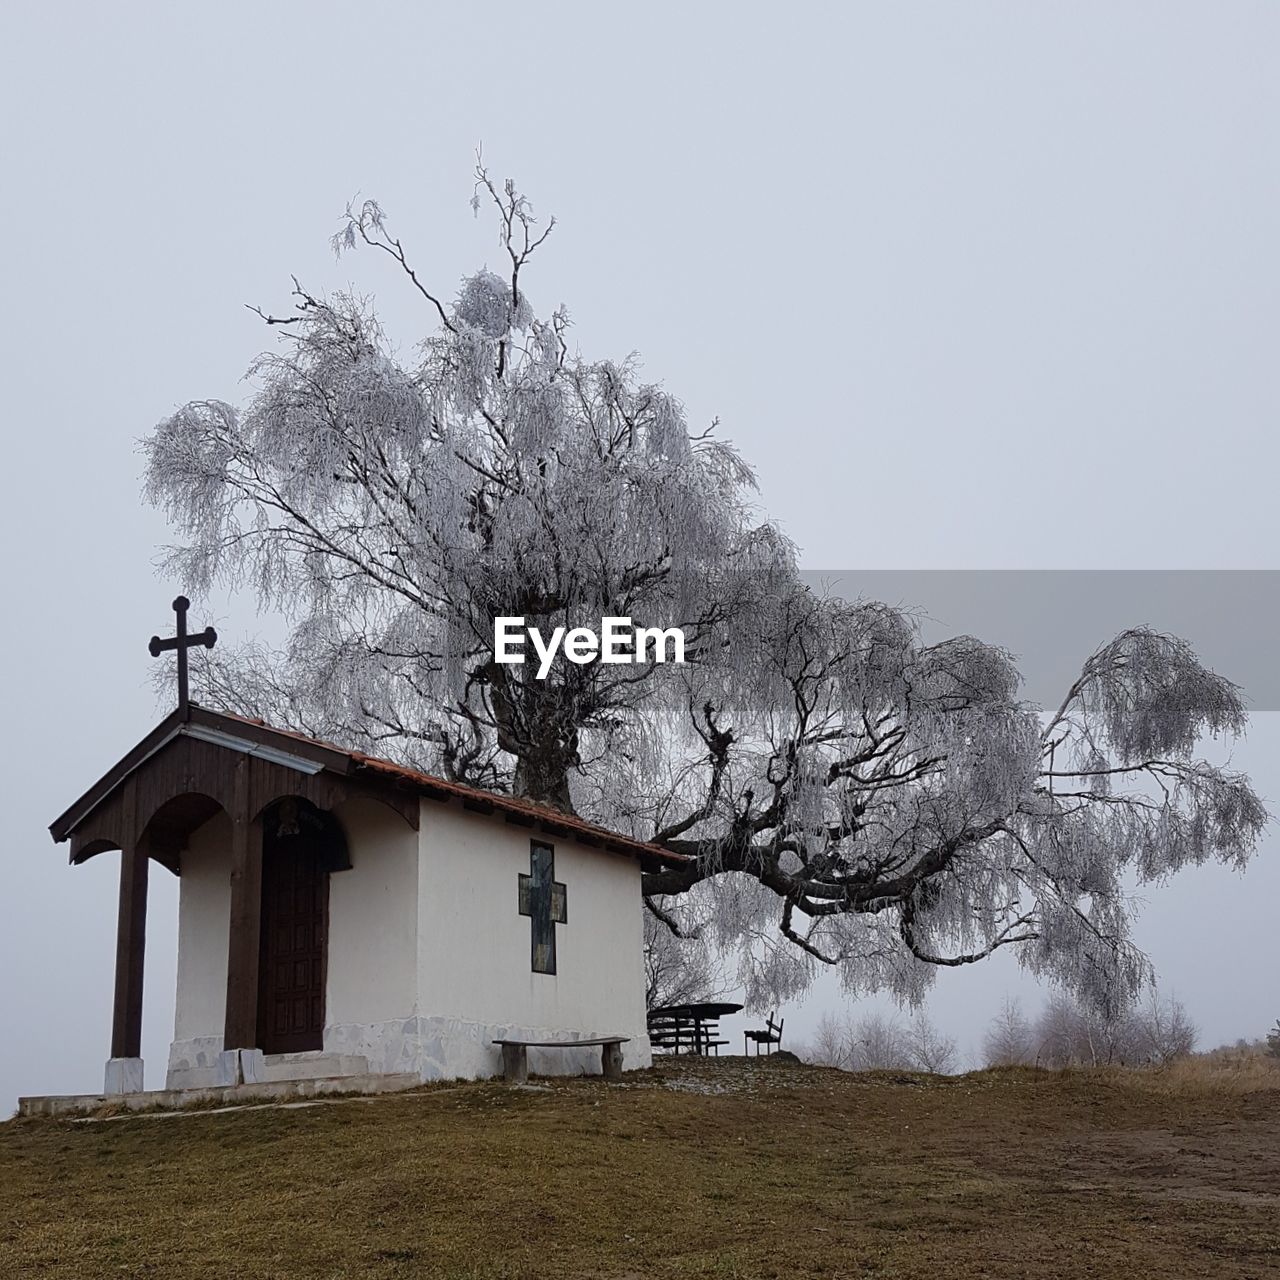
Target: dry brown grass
1229 1070
696 1169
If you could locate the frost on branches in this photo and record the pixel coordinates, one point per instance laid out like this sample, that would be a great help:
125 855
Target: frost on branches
852 796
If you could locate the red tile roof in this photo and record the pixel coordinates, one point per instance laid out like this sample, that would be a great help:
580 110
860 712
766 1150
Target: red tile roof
517 808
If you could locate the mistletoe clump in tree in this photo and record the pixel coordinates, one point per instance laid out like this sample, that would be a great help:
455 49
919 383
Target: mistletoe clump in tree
848 795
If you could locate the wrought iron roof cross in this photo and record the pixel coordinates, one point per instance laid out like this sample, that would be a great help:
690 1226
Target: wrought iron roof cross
182 642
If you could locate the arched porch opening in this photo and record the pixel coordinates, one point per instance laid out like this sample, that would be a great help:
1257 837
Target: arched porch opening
263 783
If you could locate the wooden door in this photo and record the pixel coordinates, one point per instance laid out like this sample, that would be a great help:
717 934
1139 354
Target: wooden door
295 927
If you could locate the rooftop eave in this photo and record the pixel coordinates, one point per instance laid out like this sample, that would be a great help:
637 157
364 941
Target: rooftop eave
207 726
310 756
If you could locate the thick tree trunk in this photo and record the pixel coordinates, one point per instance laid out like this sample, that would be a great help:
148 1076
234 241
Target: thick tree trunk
544 777
527 718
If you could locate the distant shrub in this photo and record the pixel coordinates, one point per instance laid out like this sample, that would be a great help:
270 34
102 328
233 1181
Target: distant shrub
1069 1034
1010 1039
879 1043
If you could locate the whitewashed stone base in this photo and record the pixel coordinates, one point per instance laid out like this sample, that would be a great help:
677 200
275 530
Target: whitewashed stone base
456 1049
197 1064
253 1066
428 1048
278 1090
204 1064
123 1075
227 1070
387 1047
312 1066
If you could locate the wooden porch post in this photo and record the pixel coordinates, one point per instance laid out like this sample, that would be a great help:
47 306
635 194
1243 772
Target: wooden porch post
241 1029
131 942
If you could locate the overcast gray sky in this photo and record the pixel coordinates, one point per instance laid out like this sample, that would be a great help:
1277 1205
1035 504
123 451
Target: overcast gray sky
972 285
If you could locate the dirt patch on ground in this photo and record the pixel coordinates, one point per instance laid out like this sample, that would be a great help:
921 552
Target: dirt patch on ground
1229 1162
718 1168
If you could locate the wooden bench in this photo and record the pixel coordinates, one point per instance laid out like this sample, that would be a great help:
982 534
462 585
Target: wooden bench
769 1036
515 1055
684 1038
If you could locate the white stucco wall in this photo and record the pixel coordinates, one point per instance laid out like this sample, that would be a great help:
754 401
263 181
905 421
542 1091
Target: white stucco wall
204 913
372 984
429 958
475 979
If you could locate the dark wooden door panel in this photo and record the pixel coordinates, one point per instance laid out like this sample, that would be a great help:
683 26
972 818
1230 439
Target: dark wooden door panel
295 908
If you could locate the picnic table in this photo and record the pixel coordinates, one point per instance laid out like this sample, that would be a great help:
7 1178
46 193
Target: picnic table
692 1027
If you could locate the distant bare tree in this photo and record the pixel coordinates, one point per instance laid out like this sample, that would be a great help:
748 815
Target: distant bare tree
1009 1041
928 1049
877 1043
1057 1033
830 1046
1071 1034
1116 1040
1273 1041
678 970
1164 1030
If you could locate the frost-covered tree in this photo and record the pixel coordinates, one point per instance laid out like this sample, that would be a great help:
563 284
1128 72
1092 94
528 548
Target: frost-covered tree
876 1042
1164 1030
830 1044
679 970
1010 1039
929 1048
849 795
1070 1033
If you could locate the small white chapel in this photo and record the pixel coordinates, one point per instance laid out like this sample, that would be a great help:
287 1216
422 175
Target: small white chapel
343 918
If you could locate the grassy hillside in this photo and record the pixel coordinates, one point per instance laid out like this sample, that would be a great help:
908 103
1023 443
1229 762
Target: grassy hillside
706 1169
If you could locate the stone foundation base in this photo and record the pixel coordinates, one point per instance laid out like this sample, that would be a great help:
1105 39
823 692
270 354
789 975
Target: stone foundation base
174 1099
123 1076
430 1048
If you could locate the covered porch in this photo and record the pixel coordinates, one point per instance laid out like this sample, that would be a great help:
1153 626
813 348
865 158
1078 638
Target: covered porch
271 791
